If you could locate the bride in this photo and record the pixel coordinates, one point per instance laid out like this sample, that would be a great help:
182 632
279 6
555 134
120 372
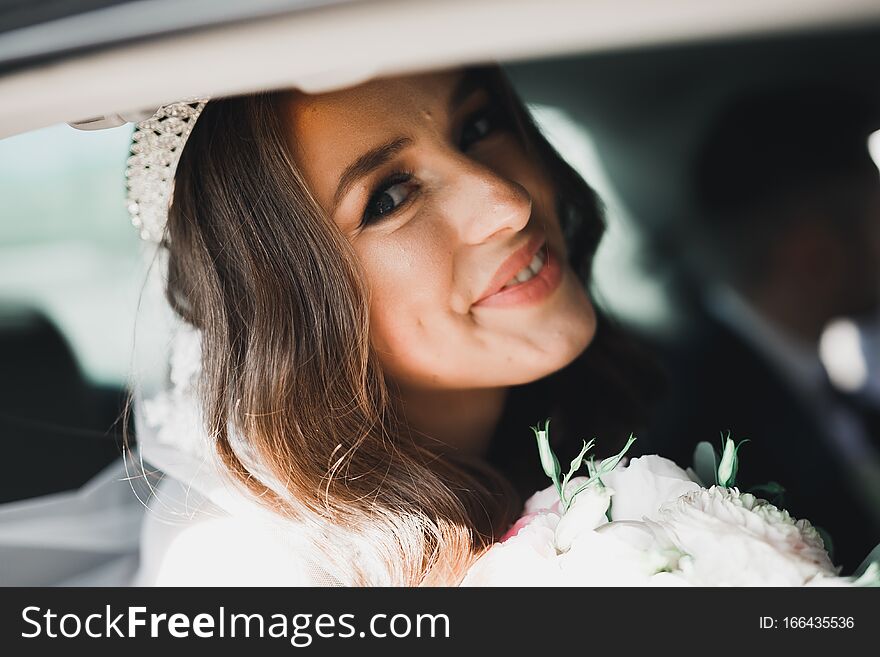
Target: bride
388 285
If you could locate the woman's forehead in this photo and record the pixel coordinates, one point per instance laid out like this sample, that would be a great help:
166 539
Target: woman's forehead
381 100
328 131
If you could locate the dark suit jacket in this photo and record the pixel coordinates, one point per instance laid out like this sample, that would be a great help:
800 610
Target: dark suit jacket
718 383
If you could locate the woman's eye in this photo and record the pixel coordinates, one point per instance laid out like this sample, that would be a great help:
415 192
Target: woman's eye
391 195
477 127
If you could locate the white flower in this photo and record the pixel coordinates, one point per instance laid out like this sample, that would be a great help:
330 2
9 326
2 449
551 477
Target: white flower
644 485
586 512
666 530
580 548
527 559
543 500
734 539
548 499
621 553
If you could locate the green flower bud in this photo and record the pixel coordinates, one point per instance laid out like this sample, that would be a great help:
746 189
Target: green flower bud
549 462
729 463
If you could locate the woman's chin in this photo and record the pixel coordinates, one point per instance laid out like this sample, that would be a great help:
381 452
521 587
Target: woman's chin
568 326
557 345
574 335
525 349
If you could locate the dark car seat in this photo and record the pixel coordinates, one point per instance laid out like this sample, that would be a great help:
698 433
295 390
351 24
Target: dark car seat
57 430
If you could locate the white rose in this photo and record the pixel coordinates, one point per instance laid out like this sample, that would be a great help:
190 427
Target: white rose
624 553
548 498
587 511
526 559
734 539
543 500
644 485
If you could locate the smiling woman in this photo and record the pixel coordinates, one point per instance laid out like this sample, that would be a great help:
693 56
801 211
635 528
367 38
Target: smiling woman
441 215
390 284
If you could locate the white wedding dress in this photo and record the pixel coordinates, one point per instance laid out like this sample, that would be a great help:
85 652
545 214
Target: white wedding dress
88 537
200 528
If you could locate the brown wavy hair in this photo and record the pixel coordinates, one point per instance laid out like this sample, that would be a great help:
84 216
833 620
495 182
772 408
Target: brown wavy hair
280 300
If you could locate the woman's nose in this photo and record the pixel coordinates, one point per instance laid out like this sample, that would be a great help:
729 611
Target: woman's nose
483 203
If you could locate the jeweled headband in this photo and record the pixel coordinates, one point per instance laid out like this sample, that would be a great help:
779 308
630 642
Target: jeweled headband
156 146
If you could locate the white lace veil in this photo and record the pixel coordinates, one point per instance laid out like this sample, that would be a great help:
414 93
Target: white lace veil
190 490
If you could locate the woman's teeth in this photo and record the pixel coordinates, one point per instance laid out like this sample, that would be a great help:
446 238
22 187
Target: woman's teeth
528 271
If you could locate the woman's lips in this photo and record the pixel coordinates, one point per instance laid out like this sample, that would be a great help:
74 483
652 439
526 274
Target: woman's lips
537 288
511 265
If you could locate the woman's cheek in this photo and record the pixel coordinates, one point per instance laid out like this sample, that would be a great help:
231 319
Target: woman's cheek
395 324
405 348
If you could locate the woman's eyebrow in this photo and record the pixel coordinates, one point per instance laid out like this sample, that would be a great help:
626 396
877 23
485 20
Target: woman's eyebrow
366 163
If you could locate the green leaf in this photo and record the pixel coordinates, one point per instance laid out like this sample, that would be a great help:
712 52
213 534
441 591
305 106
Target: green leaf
605 467
706 463
770 488
826 540
772 491
871 576
873 557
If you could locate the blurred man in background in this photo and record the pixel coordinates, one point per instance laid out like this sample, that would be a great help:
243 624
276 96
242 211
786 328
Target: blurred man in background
785 238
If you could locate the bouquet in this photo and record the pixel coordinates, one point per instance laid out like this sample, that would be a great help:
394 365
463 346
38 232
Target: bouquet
651 523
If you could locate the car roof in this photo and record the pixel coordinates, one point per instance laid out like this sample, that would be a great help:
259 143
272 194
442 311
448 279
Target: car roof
76 63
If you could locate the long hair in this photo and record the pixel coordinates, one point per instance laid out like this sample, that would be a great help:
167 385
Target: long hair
288 367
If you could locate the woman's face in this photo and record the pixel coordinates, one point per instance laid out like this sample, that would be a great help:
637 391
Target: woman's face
443 207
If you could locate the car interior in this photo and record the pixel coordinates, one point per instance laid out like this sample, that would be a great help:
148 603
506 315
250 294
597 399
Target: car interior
637 110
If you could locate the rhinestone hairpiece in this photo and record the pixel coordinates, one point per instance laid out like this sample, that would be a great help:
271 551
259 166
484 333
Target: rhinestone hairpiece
156 146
